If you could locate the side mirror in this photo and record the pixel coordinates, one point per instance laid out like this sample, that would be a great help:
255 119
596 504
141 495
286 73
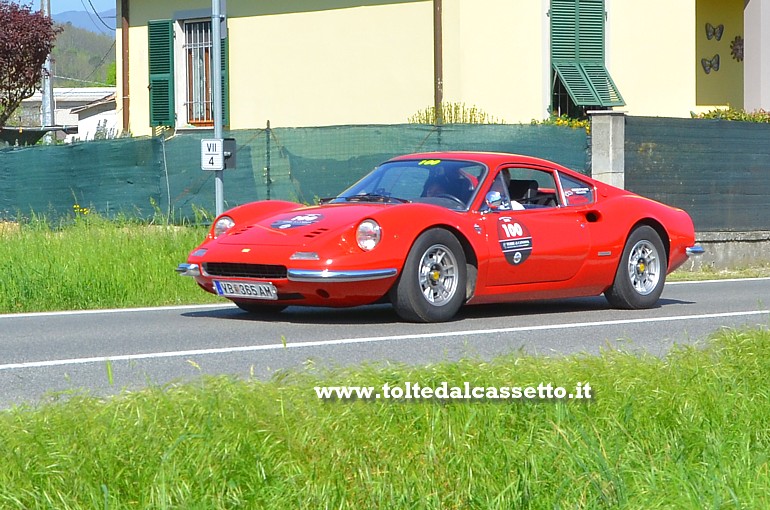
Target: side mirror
494 200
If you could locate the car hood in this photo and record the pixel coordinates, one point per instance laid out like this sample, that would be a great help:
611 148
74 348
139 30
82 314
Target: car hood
300 226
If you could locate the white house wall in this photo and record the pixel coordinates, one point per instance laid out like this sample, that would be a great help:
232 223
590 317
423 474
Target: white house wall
344 66
301 65
494 57
651 55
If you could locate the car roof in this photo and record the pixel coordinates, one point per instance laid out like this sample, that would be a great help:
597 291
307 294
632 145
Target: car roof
488 158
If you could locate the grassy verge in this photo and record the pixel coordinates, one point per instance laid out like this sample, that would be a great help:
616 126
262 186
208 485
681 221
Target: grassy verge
688 431
95 263
709 273
91 262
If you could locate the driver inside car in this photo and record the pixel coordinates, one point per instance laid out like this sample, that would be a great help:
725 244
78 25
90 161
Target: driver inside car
449 183
436 187
500 185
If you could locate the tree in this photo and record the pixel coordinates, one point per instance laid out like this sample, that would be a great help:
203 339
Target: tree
26 39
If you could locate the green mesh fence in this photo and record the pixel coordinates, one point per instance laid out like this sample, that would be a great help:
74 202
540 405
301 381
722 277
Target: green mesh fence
143 176
718 171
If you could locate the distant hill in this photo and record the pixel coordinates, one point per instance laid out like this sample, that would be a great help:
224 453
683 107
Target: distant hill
89 21
82 58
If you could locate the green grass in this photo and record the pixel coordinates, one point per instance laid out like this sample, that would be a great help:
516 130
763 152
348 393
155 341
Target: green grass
689 431
95 263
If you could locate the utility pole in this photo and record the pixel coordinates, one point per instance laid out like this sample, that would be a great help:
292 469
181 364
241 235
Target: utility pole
216 93
46 96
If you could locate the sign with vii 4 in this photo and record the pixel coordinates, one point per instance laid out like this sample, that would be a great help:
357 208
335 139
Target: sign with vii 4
212 154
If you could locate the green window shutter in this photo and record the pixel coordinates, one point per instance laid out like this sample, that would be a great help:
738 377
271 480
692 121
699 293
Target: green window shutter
225 82
160 46
577 52
590 33
563 29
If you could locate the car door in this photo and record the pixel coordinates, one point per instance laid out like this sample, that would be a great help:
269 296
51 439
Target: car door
546 241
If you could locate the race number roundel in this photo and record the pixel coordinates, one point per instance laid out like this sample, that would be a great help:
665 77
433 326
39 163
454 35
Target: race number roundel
515 240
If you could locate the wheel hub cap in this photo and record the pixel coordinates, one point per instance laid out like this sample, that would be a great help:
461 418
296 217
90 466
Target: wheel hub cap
438 275
644 268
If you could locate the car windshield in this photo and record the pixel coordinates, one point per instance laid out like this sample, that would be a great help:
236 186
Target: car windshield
447 183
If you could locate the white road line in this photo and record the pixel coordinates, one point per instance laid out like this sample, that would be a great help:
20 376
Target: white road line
726 280
361 340
226 304
115 310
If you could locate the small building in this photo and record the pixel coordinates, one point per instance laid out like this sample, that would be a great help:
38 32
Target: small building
77 110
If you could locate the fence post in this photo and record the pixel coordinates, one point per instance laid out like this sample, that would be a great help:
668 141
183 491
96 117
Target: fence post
608 135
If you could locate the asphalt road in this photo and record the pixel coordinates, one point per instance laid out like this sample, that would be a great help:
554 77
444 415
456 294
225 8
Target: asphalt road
41 354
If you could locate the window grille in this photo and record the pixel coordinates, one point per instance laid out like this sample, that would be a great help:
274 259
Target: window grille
197 48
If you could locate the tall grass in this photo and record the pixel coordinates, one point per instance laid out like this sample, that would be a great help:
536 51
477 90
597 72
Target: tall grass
92 262
689 431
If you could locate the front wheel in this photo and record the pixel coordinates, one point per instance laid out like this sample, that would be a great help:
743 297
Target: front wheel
641 273
432 284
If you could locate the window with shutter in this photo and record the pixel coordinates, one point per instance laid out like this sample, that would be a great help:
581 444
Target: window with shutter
580 78
195 74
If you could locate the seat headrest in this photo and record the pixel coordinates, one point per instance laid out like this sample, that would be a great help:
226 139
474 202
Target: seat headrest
522 188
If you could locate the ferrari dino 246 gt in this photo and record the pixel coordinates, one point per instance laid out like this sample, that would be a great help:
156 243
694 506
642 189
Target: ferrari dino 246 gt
435 231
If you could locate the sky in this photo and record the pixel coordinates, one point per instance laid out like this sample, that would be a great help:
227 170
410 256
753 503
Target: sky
59 6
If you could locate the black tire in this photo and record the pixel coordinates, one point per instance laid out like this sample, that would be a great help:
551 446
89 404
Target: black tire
432 285
641 273
259 308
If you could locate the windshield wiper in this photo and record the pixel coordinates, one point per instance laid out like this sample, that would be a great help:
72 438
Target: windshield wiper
375 197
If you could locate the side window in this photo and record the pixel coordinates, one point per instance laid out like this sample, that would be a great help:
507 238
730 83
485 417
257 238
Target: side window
576 192
533 188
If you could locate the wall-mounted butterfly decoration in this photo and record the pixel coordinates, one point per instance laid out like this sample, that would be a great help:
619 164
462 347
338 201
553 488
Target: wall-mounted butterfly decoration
714 32
710 64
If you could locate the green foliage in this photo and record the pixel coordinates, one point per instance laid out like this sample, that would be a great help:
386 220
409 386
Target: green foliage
83 58
112 74
564 121
454 113
734 114
688 431
26 38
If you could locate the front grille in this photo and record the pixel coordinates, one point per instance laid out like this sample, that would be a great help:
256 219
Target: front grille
244 270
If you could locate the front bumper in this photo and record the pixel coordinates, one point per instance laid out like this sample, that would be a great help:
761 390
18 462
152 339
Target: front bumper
694 250
327 276
311 275
188 269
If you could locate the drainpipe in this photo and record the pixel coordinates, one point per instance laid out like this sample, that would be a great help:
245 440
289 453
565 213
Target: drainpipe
124 64
438 63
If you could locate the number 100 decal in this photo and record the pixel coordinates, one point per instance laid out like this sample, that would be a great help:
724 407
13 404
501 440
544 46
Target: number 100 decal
515 240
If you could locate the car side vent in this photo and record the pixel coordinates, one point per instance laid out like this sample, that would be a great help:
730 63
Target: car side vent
241 231
316 233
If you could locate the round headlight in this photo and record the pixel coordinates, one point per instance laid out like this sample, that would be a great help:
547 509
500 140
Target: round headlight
368 235
222 225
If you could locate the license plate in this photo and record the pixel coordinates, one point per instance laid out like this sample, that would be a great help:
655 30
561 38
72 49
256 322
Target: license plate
246 290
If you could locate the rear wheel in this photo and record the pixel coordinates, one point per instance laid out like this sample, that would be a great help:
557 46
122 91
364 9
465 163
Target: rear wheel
641 273
431 287
259 308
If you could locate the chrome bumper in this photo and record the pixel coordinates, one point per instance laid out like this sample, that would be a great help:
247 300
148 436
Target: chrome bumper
325 275
188 270
311 275
694 250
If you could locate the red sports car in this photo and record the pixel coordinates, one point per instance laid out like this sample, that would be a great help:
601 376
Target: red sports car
434 231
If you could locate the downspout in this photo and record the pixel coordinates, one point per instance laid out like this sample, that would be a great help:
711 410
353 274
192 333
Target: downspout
124 64
438 63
